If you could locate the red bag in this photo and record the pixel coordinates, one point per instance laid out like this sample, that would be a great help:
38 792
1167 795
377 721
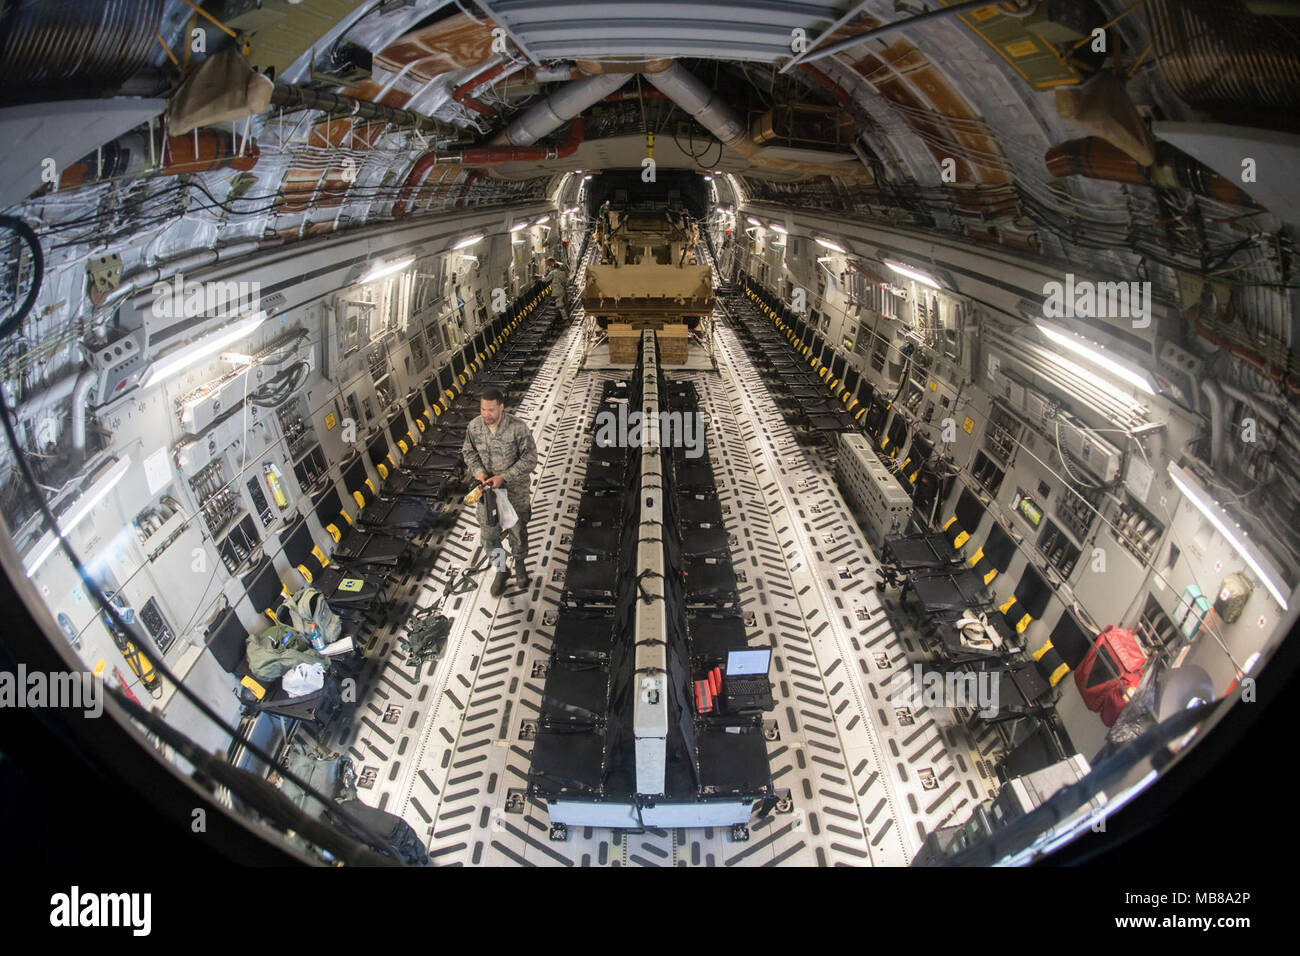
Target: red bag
1103 684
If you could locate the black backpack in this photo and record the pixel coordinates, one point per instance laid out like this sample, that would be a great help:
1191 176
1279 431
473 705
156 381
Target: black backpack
384 832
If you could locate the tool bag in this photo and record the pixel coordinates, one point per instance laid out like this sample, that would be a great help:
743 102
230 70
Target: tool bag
307 610
1112 667
1234 592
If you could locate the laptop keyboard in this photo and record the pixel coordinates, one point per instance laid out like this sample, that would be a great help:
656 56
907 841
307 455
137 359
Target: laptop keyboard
746 686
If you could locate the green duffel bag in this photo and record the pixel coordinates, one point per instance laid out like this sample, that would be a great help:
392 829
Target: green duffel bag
278 649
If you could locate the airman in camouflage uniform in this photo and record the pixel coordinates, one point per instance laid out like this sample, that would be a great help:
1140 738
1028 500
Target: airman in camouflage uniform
499 451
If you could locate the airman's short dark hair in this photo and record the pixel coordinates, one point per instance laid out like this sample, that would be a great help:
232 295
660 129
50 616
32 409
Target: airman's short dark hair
493 394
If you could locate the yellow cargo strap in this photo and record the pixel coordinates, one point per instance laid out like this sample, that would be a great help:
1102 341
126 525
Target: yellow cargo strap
1059 673
975 558
1047 646
320 556
948 524
988 578
1007 606
306 575
334 532
344 515
370 484
359 498
961 539
1023 623
258 690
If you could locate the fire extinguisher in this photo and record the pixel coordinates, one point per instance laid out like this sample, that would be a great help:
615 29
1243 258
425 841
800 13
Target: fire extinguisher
276 485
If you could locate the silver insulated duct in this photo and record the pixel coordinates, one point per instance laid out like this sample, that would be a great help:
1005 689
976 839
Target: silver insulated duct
692 95
558 108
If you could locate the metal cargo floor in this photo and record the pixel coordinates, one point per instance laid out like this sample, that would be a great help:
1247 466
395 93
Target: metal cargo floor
447 745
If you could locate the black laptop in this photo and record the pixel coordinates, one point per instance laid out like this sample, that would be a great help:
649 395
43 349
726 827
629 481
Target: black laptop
745 685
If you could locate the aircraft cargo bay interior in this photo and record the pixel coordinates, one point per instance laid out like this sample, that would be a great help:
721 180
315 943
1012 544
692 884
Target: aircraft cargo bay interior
717 434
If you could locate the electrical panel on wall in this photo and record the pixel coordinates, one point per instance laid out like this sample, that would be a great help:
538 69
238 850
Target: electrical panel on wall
377 361
118 364
1002 435
1086 448
202 407
354 318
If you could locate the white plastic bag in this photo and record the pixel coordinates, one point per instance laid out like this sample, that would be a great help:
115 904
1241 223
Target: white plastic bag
303 679
505 510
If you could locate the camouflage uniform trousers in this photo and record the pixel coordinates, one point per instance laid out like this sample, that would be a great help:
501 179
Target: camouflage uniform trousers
517 536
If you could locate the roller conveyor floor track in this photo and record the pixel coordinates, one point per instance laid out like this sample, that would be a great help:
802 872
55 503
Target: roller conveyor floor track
447 746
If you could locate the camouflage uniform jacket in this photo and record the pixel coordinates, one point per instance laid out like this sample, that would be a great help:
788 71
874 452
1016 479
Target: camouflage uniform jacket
510 453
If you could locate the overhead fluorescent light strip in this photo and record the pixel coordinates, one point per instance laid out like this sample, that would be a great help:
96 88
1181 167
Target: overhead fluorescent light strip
467 242
197 351
81 507
1096 357
1219 518
380 271
911 273
1070 375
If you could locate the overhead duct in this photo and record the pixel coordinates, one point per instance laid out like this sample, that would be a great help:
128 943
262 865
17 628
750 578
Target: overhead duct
704 105
1098 159
557 109
128 157
514 143
1221 57
75 44
710 111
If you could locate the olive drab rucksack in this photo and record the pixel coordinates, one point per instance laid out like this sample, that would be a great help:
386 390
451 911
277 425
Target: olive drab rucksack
278 649
306 612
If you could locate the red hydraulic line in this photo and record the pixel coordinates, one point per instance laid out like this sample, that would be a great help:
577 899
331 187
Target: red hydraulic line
461 93
489 156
